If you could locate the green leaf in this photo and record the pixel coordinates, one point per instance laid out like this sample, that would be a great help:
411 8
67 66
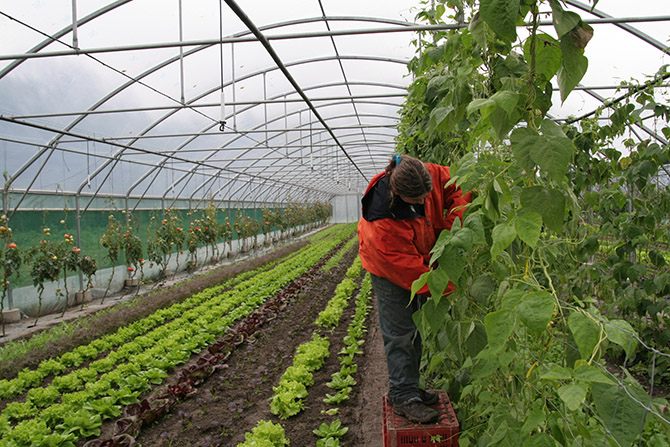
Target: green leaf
555 152
474 222
463 238
452 262
548 55
484 105
478 30
533 420
502 122
574 66
501 16
589 373
622 415
550 203
657 258
477 340
438 115
585 331
499 326
557 373
419 283
499 434
564 21
435 86
528 227
623 334
536 310
506 100
482 288
572 395
438 282
512 298
503 235
524 141
539 440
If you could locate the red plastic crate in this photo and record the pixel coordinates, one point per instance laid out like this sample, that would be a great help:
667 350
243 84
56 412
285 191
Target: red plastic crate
399 432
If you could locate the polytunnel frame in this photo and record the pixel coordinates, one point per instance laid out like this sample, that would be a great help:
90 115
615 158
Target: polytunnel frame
34 52
259 37
324 18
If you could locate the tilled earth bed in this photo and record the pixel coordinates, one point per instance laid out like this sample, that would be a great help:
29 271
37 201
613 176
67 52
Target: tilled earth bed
232 400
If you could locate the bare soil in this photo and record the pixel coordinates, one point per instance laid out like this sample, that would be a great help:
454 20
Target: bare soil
231 401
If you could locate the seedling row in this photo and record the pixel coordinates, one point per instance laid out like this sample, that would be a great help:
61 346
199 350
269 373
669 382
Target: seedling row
124 365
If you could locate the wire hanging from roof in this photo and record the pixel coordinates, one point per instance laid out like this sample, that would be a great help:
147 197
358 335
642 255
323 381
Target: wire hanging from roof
222 120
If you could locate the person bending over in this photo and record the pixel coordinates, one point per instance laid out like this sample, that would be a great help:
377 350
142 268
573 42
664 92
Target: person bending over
404 210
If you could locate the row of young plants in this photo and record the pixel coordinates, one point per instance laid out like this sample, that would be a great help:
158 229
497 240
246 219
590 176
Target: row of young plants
335 260
27 378
61 338
292 389
539 343
290 393
163 399
10 388
343 381
53 260
136 365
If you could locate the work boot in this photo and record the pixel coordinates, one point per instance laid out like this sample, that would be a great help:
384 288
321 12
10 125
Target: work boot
416 411
429 399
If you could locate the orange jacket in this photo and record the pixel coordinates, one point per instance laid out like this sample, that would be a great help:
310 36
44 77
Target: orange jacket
395 243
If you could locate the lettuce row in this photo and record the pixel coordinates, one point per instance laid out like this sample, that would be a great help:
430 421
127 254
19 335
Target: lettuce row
145 367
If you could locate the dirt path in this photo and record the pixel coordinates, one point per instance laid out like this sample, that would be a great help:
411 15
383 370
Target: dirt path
373 384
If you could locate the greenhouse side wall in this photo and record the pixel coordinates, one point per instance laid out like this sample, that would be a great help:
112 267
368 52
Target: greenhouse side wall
346 209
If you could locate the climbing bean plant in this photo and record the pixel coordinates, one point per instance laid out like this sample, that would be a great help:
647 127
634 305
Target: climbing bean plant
558 329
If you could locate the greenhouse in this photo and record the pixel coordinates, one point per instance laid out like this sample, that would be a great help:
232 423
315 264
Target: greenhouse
183 186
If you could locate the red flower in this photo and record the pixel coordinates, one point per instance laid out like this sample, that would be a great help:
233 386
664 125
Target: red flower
131 269
12 245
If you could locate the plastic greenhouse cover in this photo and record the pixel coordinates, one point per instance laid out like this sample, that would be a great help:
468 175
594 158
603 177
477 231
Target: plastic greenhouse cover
160 133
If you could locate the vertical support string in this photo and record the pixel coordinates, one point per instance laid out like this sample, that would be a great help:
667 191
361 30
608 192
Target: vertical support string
222 120
286 123
181 52
232 65
265 107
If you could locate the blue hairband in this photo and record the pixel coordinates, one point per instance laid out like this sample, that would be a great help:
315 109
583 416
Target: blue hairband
397 159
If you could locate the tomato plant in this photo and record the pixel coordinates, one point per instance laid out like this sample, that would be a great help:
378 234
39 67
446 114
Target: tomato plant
10 260
112 240
132 247
45 265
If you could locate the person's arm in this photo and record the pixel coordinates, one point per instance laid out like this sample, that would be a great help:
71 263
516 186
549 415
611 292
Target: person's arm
450 201
403 263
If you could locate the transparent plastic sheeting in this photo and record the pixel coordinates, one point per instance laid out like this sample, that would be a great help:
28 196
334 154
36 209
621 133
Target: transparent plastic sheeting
186 100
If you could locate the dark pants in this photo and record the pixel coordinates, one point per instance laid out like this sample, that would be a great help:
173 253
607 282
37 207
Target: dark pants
402 342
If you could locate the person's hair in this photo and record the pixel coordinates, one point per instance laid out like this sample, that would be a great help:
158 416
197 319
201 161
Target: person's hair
408 177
